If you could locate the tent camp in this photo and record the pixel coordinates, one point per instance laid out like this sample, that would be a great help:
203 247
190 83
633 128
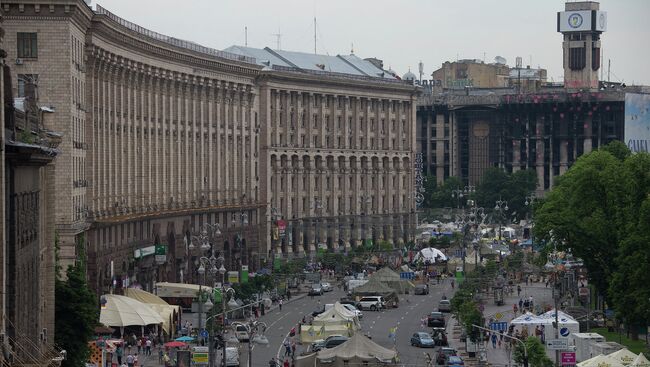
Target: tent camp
390 278
375 287
357 351
641 361
167 312
121 311
529 321
338 320
601 361
433 255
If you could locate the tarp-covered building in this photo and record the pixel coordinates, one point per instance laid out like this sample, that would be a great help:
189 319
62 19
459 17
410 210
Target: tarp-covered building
357 351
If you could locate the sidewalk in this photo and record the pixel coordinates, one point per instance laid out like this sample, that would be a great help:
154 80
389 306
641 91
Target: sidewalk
499 356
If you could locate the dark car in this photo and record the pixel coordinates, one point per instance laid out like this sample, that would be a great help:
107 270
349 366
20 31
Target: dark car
454 361
422 340
422 289
444 305
436 319
335 340
439 336
443 353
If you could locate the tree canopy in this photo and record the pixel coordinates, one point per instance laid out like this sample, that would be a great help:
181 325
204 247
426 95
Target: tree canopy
600 211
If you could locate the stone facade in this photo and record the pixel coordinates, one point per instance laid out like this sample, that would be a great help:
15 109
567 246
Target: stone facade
162 136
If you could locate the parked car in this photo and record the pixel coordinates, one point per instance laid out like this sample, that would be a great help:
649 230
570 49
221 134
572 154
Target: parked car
316 345
444 305
347 301
439 336
422 289
454 361
326 287
422 340
373 303
335 340
443 353
354 310
316 290
241 333
436 319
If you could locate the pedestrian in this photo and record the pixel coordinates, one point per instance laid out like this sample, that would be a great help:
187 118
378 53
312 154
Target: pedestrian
293 348
286 363
135 360
148 346
124 365
288 295
129 360
287 347
494 340
160 355
515 309
273 363
526 279
119 352
518 290
139 345
542 334
280 304
521 305
452 284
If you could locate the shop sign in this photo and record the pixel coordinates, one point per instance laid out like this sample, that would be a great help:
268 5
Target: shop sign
145 251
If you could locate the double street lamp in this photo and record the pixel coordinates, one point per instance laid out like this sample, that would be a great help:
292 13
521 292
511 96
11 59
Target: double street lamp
255 330
501 206
459 193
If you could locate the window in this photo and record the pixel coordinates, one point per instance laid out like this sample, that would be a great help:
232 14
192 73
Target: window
27 45
24 80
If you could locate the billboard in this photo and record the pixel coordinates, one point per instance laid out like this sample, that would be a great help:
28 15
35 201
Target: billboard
637 122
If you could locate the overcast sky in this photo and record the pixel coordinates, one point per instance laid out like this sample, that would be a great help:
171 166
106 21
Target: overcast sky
402 32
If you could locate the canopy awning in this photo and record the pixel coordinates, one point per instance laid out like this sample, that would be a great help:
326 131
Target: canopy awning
164 309
120 311
181 290
431 254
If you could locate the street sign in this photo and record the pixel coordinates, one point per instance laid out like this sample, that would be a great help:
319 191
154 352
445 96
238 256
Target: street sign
204 333
557 344
568 358
407 275
498 316
200 358
499 326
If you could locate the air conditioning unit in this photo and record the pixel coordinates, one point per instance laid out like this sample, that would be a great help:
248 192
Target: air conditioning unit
19 61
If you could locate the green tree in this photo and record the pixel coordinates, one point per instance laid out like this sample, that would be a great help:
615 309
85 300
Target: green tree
600 211
470 315
441 196
536 353
430 186
76 315
496 184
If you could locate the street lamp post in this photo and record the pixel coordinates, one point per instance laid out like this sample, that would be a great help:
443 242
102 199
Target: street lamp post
553 263
255 329
501 206
530 199
238 218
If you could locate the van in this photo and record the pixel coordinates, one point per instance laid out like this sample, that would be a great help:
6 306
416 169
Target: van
232 357
373 303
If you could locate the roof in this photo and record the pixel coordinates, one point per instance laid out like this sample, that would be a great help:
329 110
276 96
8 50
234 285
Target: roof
166 289
373 286
624 356
120 311
358 346
340 64
338 314
164 309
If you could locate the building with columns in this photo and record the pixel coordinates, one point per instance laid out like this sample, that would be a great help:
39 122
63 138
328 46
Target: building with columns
161 136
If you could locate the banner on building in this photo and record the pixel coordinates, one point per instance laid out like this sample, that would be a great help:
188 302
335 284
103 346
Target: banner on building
637 122
233 277
244 274
282 228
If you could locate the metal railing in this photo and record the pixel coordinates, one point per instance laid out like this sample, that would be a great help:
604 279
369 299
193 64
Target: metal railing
342 75
174 41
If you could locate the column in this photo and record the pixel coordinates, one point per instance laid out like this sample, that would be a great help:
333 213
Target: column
588 127
516 155
539 145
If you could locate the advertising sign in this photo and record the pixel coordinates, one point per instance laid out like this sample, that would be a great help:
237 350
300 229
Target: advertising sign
145 251
574 21
637 122
568 358
244 273
233 277
557 344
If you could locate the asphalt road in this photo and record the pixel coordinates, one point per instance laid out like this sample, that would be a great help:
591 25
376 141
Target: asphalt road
375 324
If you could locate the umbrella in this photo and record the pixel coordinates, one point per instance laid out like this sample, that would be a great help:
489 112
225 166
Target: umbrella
175 344
184 339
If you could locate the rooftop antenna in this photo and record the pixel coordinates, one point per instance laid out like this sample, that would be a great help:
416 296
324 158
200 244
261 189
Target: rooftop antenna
314 35
278 36
246 36
421 69
352 48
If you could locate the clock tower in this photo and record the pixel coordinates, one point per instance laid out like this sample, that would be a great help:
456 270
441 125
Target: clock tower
581 24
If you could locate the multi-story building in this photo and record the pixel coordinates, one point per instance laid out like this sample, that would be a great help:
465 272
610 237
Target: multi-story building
161 136
545 128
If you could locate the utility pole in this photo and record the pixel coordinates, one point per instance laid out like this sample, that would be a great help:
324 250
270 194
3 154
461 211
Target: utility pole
246 36
278 36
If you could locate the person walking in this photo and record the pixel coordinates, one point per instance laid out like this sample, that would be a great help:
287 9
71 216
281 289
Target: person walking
273 363
129 360
518 291
160 355
452 284
148 344
515 309
494 340
119 352
293 349
286 363
287 347
280 304
521 305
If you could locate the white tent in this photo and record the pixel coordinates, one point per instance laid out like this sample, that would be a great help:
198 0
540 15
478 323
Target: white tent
120 311
624 356
338 320
601 361
432 254
529 321
166 311
641 361
358 350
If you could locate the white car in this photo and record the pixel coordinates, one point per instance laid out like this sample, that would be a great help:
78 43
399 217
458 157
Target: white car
326 287
356 312
372 303
241 333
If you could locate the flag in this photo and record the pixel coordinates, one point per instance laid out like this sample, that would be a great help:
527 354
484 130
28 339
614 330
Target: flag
311 331
322 330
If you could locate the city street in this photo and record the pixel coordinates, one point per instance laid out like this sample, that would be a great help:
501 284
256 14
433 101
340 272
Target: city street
375 324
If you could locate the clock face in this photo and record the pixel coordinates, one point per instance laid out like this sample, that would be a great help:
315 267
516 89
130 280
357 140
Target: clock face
575 20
